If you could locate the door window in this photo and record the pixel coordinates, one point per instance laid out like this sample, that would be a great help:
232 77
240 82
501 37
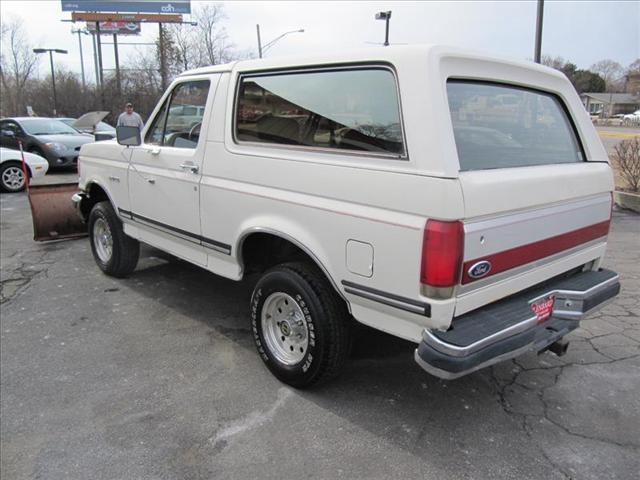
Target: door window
179 121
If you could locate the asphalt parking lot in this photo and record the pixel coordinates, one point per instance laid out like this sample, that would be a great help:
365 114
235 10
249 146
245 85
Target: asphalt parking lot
156 377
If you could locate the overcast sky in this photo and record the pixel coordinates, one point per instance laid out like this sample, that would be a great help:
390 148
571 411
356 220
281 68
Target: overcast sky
583 32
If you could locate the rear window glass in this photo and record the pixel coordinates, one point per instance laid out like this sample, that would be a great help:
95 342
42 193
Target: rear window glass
338 109
498 126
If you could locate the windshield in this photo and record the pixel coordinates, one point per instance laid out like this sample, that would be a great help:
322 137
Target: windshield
500 126
43 126
104 127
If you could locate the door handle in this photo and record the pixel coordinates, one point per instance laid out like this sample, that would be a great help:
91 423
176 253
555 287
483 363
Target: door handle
189 166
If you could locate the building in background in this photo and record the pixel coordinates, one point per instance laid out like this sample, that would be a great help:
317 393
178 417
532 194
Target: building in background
610 104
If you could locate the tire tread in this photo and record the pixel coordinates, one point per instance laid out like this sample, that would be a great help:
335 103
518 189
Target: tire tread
337 321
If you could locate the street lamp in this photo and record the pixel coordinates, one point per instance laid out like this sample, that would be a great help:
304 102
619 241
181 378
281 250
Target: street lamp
386 16
53 75
263 49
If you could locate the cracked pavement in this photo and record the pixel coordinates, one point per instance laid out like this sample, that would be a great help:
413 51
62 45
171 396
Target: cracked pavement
156 377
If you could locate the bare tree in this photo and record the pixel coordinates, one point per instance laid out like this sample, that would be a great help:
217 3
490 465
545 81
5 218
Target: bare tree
184 44
612 73
212 39
17 65
634 67
554 62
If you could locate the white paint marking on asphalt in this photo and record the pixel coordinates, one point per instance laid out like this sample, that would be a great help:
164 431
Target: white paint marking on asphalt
253 420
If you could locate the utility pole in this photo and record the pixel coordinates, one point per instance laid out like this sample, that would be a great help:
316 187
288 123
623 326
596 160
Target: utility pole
163 72
115 51
80 32
95 59
538 48
259 42
98 42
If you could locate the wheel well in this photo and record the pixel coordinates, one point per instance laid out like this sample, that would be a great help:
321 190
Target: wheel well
95 194
260 251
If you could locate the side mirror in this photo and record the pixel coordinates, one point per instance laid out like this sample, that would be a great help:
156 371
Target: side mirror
8 133
129 136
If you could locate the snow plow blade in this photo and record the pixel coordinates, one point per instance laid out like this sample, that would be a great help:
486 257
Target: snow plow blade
53 213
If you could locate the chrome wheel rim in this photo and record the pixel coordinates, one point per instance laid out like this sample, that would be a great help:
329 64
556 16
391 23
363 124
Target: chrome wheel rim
285 329
13 178
102 240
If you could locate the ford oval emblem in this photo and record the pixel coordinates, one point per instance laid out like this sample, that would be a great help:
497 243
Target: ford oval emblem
480 269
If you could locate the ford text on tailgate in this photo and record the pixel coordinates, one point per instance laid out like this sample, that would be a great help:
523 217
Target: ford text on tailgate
457 201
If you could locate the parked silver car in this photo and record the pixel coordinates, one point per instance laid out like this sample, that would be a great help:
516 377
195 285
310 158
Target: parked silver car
48 137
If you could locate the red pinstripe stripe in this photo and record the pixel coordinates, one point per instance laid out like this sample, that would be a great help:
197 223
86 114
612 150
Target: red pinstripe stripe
531 252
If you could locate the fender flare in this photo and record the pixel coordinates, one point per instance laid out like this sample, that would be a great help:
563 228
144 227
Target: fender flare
285 236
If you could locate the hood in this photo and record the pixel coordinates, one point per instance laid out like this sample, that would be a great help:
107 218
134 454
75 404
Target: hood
89 120
70 141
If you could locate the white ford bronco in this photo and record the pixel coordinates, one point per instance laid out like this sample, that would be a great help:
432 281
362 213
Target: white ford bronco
455 200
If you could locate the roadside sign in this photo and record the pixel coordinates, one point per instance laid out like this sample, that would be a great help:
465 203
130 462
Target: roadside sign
125 17
120 28
134 6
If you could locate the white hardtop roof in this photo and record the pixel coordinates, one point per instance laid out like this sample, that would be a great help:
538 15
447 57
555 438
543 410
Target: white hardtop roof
392 54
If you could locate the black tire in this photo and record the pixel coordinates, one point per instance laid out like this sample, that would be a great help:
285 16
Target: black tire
12 169
124 249
327 320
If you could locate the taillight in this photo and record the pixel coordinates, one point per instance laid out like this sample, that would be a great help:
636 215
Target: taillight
442 251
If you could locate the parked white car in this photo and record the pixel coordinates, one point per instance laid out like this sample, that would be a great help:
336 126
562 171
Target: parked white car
12 177
452 199
632 118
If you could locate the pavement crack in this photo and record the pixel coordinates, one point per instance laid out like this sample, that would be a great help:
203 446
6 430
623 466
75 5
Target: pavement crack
21 276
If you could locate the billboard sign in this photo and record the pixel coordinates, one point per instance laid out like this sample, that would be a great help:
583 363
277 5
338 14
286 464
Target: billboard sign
133 6
120 28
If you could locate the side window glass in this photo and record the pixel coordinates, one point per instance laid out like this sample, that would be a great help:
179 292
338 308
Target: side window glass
186 110
342 109
11 126
155 132
178 123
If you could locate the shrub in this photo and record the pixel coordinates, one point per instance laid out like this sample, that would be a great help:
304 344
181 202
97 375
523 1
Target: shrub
626 158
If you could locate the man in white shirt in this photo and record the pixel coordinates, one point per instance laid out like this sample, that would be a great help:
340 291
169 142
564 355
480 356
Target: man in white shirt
129 118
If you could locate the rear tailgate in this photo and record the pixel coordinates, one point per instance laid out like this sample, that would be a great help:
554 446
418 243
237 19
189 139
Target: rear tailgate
549 220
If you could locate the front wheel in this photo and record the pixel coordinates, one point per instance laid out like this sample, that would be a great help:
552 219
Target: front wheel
12 178
300 325
115 252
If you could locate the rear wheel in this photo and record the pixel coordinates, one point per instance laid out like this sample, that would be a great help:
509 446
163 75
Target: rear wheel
12 178
115 252
300 325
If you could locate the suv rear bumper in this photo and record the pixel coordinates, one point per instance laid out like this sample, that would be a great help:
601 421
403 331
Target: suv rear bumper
509 328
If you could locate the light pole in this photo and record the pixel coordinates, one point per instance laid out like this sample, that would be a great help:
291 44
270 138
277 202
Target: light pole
53 74
386 16
262 49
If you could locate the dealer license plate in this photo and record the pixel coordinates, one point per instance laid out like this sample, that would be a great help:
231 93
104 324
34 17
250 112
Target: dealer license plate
543 308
